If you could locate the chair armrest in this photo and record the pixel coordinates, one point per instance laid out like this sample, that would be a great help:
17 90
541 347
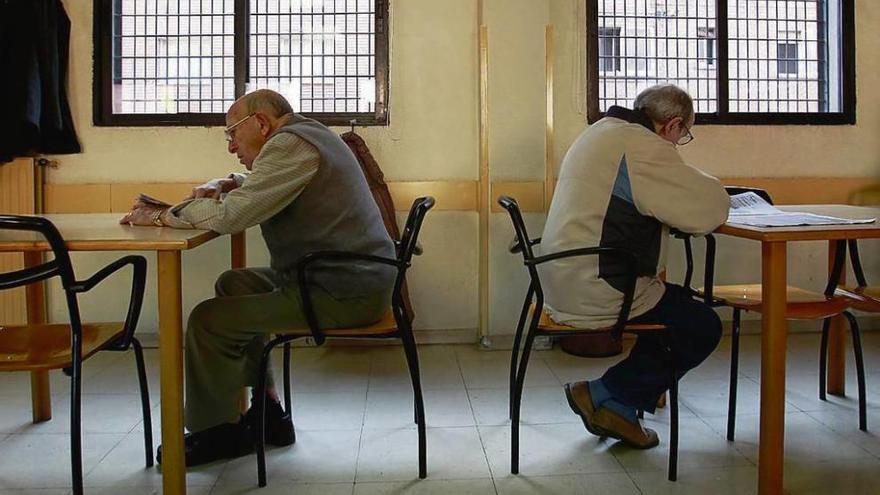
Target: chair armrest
303 264
30 275
631 274
709 269
515 247
679 234
138 283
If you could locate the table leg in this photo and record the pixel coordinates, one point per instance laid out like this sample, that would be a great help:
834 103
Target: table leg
171 372
836 379
41 398
771 446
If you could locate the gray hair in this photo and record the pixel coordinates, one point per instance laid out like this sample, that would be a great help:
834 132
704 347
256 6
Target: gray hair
664 102
268 102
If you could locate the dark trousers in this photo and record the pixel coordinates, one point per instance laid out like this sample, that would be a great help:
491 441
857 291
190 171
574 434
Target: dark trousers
640 379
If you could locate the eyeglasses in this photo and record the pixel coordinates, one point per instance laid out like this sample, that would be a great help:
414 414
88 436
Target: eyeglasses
686 138
229 132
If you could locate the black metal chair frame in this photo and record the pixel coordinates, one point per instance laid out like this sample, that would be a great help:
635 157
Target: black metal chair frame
707 295
535 295
406 248
61 267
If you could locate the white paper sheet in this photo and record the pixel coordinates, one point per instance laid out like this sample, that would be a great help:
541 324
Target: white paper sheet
750 209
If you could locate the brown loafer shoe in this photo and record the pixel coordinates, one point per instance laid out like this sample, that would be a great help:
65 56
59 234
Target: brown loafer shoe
581 402
632 434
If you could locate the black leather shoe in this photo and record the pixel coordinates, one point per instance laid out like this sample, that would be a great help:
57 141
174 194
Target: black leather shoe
224 441
279 424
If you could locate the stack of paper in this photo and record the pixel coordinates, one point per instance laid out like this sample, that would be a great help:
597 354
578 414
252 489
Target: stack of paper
751 209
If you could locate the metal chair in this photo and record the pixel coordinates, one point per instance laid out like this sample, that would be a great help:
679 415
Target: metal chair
540 324
801 305
394 325
66 345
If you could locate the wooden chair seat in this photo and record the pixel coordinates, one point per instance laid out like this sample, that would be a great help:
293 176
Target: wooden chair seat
801 304
862 298
546 324
386 326
46 347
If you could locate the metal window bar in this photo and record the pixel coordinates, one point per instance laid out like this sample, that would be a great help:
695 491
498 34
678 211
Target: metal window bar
752 74
658 42
184 57
181 76
329 55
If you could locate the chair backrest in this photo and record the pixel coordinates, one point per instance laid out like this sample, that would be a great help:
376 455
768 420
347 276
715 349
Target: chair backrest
734 190
863 197
524 246
710 247
408 241
59 266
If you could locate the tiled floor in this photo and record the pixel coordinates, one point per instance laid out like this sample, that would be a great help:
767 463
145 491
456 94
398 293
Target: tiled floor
355 435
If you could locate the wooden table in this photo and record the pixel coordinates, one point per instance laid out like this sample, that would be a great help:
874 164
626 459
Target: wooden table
102 232
774 328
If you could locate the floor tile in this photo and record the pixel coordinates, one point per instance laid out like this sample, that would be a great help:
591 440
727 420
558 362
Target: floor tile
392 455
428 487
539 405
806 439
278 487
124 467
740 480
698 447
316 457
549 450
394 409
605 483
43 461
852 477
492 370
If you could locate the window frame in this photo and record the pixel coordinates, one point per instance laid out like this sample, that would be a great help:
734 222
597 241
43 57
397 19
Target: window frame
847 115
102 83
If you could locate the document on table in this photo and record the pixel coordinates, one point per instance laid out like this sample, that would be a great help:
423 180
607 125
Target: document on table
750 209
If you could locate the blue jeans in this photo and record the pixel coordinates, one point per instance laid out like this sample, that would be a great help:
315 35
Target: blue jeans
695 329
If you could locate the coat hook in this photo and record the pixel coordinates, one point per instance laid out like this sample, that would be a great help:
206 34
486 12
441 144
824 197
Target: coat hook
352 122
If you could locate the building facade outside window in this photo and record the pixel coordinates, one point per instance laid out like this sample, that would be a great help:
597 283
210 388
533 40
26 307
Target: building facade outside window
183 62
754 62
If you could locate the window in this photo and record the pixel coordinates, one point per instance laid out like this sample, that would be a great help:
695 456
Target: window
183 62
609 49
706 45
748 62
787 58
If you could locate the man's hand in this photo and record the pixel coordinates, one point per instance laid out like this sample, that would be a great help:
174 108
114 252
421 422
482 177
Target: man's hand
213 189
143 214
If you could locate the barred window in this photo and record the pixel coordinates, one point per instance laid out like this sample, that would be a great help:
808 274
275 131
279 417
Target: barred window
743 61
183 62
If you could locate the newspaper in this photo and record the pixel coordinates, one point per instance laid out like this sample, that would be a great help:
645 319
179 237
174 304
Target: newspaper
147 199
750 209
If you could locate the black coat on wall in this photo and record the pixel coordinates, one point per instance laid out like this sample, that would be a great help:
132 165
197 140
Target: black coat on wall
35 114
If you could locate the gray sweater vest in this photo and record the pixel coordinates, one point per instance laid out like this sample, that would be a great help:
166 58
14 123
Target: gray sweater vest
335 211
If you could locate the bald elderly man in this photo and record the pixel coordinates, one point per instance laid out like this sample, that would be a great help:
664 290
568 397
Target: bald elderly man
306 191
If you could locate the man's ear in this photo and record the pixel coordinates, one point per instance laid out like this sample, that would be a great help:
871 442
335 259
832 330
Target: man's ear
265 125
672 124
